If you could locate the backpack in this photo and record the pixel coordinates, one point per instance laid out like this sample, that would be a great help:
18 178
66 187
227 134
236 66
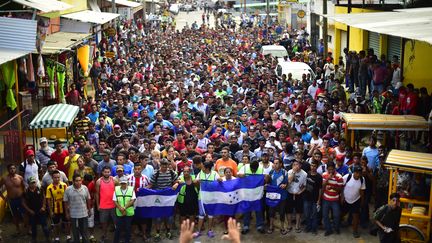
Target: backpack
23 165
349 178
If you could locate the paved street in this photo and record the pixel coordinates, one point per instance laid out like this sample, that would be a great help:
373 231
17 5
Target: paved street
253 236
184 18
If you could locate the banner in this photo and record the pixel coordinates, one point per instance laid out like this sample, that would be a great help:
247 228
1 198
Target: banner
231 197
156 203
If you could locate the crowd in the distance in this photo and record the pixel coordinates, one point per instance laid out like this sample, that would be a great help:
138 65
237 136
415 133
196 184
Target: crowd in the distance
174 108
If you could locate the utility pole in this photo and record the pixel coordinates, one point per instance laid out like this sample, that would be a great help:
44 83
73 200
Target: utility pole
268 12
144 13
114 10
325 29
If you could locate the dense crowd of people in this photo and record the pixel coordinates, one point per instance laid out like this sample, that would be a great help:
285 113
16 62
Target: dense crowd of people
174 108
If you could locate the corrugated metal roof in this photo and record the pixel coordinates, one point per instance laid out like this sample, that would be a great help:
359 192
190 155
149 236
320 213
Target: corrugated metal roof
89 16
409 160
62 41
385 122
18 34
415 24
45 5
126 3
8 54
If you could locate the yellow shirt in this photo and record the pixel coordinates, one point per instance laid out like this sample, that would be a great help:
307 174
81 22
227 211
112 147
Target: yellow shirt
56 193
73 165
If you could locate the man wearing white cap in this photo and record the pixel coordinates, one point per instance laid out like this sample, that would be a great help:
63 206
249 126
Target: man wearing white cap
43 154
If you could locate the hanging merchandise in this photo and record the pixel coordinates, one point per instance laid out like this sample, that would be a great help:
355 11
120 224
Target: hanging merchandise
41 68
30 70
83 55
69 69
61 76
9 71
51 66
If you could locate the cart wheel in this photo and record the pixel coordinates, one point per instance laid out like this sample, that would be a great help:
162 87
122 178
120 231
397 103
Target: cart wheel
411 234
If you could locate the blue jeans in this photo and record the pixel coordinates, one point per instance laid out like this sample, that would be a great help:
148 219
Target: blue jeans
311 215
259 220
378 87
38 218
123 226
335 207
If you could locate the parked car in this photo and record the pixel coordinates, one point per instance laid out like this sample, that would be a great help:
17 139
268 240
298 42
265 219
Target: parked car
174 8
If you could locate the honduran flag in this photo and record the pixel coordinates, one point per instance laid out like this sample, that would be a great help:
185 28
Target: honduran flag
273 195
231 197
155 203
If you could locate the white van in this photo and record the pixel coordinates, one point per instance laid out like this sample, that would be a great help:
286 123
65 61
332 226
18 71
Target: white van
274 50
297 69
174 8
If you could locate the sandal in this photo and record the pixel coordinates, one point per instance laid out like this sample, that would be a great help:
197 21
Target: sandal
269 231
283 231
298 230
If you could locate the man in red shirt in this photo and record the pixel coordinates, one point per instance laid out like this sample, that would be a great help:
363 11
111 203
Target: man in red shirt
411 101
332 187
59 156
183 162
179 143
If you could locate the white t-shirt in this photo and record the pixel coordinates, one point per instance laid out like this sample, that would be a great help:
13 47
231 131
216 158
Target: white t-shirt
312 90
352 188
31 170
318 142
299 181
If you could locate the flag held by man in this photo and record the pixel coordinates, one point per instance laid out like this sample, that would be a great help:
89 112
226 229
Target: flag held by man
156 203
231 197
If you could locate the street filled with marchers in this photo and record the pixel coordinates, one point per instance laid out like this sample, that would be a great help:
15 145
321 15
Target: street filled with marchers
181 120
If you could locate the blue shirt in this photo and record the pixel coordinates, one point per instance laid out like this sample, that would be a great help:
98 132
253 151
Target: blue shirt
278 178
343 170
93 116
372 157
148 171
127 169
306 137
164 123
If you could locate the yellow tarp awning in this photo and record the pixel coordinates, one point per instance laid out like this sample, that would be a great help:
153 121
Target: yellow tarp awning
385 122
409 160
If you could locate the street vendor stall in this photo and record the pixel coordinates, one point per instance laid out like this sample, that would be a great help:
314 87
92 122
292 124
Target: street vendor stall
54 116
382 122
415 224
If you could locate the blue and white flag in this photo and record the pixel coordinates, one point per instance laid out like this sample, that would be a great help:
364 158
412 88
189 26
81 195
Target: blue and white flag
240 195
273 195
155 203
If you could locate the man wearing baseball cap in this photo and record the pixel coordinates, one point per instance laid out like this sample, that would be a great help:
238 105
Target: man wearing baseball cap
43 154
30 167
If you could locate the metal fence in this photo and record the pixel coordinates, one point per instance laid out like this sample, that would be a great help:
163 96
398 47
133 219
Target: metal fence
13 136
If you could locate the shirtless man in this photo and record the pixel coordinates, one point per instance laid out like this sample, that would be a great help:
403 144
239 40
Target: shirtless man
14 184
